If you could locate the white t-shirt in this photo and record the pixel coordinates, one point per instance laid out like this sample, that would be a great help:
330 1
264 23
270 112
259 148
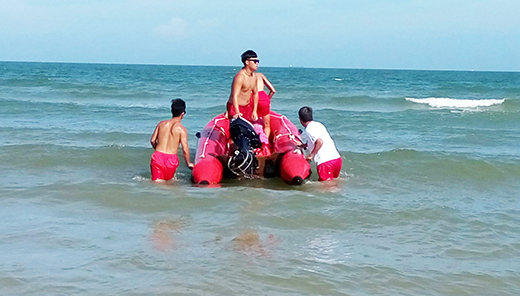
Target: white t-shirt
314 131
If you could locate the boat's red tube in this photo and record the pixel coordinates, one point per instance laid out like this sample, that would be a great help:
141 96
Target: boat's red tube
213 147
292 166
213 143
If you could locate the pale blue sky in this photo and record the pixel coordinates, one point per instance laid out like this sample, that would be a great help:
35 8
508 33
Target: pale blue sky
375 34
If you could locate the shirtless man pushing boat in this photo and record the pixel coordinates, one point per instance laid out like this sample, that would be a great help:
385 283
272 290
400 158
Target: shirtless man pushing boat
166 138
243 100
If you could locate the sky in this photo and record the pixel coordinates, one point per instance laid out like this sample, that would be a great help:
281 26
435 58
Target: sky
480 35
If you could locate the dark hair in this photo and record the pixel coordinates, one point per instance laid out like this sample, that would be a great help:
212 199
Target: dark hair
305 114
247 55
178 107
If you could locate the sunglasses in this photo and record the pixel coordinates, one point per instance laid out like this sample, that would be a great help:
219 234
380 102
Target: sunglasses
254 61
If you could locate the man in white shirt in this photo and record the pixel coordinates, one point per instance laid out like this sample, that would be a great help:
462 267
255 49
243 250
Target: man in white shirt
321 146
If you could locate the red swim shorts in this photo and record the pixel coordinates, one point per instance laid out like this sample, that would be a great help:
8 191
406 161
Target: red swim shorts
246 110
330 169
264 104
163 165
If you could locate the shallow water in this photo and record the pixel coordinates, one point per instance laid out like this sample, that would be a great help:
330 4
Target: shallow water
427 202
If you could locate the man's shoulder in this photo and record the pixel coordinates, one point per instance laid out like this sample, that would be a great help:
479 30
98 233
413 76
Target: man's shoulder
316 127
239 78
179 127
240 74
163 122
315 124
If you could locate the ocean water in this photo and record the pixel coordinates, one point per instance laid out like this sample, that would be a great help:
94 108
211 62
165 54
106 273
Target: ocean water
427 202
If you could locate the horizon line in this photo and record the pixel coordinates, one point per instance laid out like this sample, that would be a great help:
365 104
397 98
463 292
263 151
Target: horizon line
284 67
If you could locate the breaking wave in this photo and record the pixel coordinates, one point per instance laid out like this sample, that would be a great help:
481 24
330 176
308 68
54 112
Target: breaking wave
455 103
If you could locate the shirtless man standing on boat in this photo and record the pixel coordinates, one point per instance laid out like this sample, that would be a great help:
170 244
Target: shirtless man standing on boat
243 100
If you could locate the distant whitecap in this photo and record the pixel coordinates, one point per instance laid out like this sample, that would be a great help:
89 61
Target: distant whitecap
454 103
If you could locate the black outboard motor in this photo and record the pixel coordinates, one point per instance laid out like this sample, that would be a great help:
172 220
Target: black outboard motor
242 161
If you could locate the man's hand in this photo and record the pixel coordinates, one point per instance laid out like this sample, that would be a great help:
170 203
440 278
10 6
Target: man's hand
191 165
301 144
309 157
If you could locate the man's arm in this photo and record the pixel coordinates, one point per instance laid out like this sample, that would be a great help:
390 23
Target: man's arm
317 147
153 139
185 147
267 83
235 90
254 114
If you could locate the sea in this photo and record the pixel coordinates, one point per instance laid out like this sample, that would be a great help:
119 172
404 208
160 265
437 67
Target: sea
427 203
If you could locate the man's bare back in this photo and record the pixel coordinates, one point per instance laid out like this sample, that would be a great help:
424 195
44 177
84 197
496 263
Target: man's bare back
167 136
170 133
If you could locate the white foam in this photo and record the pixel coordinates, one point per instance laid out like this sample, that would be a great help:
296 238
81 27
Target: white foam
454 103
140 178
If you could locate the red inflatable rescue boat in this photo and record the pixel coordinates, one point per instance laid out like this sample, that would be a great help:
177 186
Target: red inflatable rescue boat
283 158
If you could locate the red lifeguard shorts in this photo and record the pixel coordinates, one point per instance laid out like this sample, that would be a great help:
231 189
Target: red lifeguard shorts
330 169
246 110
264 104
163 165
